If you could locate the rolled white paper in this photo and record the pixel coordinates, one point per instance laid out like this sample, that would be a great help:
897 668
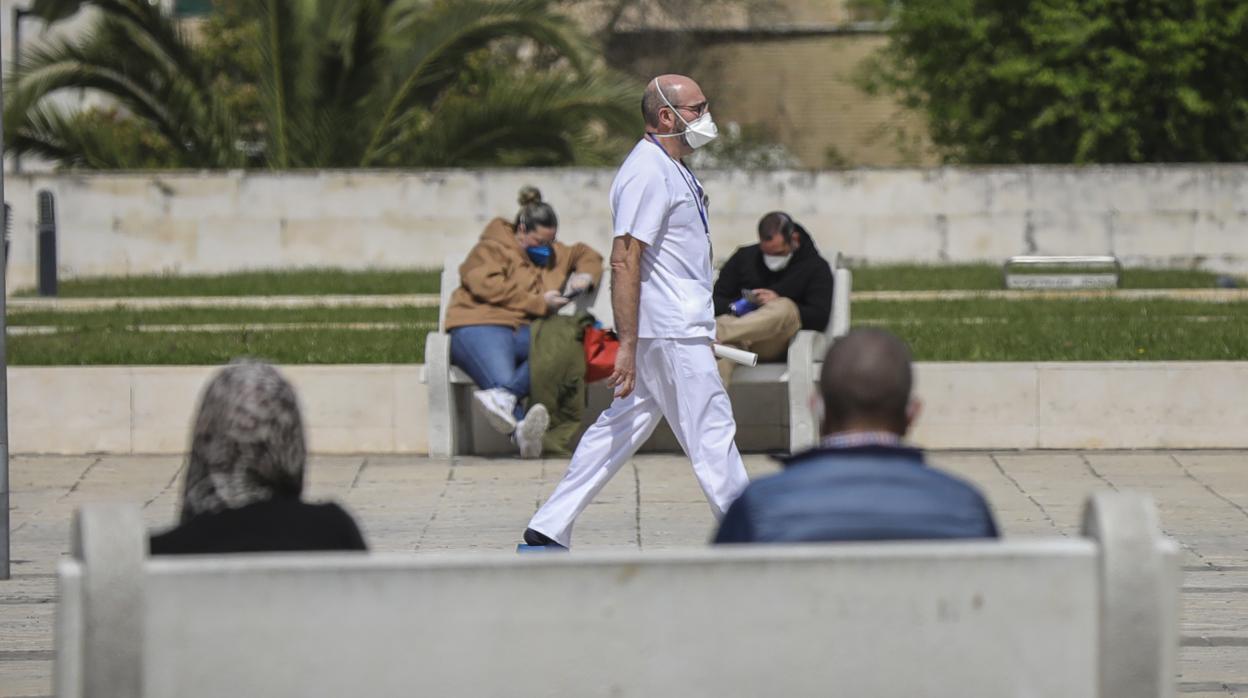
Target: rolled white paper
745 358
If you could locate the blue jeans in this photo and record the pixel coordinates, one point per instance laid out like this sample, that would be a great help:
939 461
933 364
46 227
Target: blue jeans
496 356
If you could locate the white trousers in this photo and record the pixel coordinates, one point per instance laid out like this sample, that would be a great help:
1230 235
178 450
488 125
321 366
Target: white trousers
677 379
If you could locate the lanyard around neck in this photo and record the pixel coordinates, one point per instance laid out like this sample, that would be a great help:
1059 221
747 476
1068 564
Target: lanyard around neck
695 187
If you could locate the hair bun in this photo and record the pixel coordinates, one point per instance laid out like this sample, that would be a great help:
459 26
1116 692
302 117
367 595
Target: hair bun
530 195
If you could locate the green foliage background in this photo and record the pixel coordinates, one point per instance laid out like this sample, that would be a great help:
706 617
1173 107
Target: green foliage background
320 83
1073 81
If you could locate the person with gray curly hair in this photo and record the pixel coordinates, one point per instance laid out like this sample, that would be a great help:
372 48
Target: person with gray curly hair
244 474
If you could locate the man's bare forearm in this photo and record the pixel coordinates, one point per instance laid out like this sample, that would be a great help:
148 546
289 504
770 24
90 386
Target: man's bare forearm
626 287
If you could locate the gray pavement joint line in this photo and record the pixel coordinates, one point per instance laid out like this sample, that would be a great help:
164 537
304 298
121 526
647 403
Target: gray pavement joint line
1043 512
1215 567
637 510
1202 483
27 655
26 601
355 481
1211 687
1096 473
168 485
81 477
446 486
1182 544
1213 641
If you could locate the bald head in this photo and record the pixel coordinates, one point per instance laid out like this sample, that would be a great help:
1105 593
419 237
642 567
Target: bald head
866 383
678 89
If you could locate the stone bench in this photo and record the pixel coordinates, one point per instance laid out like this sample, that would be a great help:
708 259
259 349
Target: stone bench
1085 617
453 428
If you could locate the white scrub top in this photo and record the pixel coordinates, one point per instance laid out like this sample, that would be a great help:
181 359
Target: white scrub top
659 202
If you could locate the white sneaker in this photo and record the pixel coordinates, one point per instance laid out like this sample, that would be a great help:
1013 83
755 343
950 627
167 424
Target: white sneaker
530 431
498 406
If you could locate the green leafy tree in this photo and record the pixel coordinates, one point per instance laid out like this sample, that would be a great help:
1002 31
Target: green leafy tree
324 83
1073 81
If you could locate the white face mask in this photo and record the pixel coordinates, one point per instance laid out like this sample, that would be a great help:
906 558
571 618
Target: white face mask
697 133
777 262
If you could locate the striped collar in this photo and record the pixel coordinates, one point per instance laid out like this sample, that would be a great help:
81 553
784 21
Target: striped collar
859 439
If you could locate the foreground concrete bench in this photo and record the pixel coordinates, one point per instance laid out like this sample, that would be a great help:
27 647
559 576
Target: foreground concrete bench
450 420
1069 618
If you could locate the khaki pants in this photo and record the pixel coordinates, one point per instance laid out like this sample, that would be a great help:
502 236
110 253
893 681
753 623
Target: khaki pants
765 332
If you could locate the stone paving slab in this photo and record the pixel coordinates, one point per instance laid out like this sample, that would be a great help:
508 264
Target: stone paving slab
420 504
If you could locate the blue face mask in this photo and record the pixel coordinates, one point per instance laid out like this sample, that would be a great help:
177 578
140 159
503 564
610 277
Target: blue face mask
540 254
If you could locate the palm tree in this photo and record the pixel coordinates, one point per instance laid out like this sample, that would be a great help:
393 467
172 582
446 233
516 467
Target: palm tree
341 83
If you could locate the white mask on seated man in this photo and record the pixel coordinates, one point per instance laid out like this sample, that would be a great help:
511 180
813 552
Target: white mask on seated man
777 262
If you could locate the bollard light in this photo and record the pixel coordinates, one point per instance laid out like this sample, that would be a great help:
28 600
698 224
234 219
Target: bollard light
47 244
8 232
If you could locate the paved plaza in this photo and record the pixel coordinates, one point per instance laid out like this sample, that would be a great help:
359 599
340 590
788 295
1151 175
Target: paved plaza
407 503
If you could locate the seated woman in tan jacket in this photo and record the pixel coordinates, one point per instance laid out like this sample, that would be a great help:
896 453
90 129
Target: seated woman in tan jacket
515 273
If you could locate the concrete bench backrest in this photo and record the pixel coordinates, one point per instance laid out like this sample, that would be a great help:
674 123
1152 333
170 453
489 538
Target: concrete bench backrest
1053 617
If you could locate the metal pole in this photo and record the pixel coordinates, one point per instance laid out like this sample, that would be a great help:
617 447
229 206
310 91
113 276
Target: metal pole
4 382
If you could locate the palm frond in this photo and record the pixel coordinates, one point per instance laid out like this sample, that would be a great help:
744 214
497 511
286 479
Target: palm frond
135 53
283 47
339 82
89 140
114 59
533 120
434 41
351 62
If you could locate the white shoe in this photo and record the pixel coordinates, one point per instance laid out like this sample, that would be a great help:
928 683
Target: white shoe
498 406
530 431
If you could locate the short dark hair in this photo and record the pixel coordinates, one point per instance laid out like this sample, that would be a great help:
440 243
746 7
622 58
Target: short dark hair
776 222
651 103
867 378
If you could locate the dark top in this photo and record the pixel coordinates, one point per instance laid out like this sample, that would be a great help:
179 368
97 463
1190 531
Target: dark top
857 494
807 281
274 525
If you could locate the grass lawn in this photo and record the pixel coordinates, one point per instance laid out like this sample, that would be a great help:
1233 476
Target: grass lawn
309 282
298 282
962 330
1061 330
109 337
975 277
113 347
117 319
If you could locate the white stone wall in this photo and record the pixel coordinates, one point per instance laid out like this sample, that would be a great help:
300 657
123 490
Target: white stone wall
384 409
213 222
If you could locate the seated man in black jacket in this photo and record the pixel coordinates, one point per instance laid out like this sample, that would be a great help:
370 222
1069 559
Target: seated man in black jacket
767 292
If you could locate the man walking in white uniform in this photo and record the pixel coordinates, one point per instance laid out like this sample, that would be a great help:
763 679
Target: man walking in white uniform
664 317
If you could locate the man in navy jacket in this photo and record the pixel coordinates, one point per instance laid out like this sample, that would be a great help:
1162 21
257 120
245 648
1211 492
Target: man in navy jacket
863 482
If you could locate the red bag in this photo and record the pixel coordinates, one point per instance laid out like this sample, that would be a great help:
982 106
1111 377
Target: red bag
600 350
